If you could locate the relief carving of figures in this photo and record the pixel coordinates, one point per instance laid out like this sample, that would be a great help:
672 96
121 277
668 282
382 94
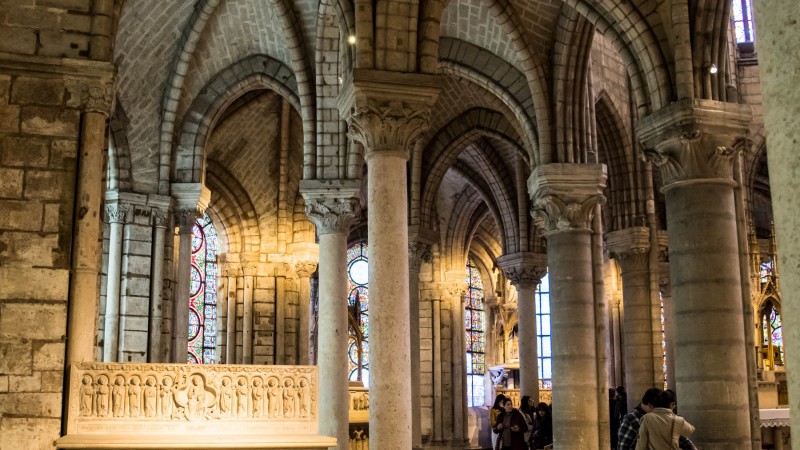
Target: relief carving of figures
195 397
103 391
87 396
274 395
241 398
226 397
150 395
303 393
118 397
290 400
258 397
134 396
361 402
166 394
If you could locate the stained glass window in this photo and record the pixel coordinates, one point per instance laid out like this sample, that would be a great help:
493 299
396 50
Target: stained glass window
543 333
743 21
203 293
772 329
358 312
663 343
766 269
475 337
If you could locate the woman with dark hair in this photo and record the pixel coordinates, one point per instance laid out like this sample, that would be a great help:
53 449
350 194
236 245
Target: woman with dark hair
526 407
542 427
497 408
510 428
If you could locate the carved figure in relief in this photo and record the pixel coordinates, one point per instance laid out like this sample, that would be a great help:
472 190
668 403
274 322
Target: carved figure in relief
241 398
150 394
195 397
258 397
290 400
134 396
87 396
118 397
303 394
102 395
226 397
167 392
274 394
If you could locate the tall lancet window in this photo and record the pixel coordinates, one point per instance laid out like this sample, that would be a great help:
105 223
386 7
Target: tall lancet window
203 294
742 13
543 333
358 311
476 341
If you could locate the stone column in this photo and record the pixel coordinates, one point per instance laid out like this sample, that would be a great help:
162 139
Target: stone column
248 283
525 271
191 200
304 269
564 197
617 337
156 283
455 294
333 207
116 219
631 249
436 337
386 112
417 253
691 142
778 40
82 307
230 328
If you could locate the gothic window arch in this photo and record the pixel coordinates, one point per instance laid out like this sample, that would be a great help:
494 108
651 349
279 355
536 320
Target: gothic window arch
203 293
358 312
474 320
543 334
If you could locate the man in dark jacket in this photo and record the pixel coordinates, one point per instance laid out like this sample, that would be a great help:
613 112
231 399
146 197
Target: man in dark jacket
511 427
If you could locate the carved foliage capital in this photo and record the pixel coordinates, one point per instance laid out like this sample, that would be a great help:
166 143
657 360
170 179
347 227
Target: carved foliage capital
633 260
185 217
97 97
392 127
117 212
418 252
333 215
304 269
159 218
454 289
552 213
692 155
526 277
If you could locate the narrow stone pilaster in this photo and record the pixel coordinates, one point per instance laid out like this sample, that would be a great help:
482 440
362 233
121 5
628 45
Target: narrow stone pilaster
304 269
525 271
333 208
631 249
387 112
230 328
454 291
438 415
564 197
155 355
691 142
116 218
417 253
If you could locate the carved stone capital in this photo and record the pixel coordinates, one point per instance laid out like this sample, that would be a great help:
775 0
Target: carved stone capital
97 96
564 195
159 217
454 289
694 139
630 248
117 212
332 205
185 218
664 284
418 252
387 111
304 269
524 270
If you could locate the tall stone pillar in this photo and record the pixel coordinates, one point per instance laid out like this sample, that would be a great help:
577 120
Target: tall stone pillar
386 112
564 197
691 142
617 340
525 271
631 249
778 38
154 351
437 433
333 208
249 286
191 200
304 269
455 290
417 253
116 219
230 327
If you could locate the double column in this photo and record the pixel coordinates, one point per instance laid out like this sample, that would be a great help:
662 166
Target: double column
525 271
630 247
387 112
333 207
564 197
418 251
691 142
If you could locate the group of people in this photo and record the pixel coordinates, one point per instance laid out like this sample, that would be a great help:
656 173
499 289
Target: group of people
528 428
654 424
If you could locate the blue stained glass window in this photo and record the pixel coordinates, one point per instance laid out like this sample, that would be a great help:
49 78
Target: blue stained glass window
742 13
543 333
358 312
203 293
475 337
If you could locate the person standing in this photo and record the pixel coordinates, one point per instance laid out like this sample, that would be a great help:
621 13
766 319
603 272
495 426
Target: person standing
526 407
629 426
510 427
495 411
542 435
661 429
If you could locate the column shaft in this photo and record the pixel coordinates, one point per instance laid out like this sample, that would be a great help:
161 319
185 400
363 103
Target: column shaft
247 320
230 329
575 408
615 324
437 370
156 283
304 313
459 370
180 314
113 278
637 330
528 350
413 311
390 372
280 320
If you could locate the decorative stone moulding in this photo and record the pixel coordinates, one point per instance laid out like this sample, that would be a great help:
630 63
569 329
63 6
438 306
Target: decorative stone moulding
165 402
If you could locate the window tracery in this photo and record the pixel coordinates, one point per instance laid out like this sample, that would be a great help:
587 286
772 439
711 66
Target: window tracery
474 320
358 312
203 293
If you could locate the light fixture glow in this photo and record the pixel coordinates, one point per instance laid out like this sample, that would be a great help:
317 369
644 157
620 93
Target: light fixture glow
712 69
351 39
